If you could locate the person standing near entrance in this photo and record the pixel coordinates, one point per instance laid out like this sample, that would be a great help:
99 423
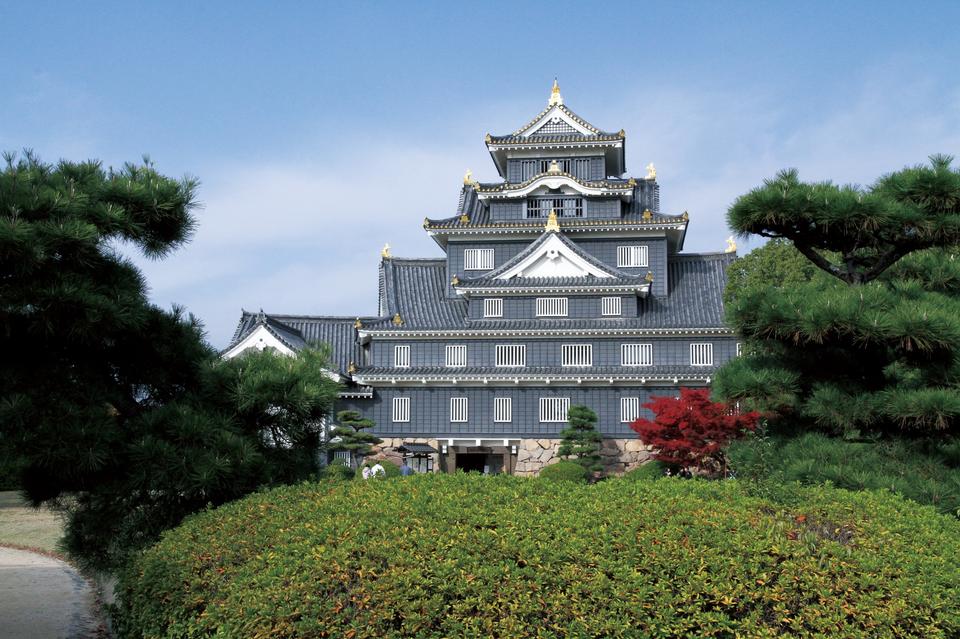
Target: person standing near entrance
405 469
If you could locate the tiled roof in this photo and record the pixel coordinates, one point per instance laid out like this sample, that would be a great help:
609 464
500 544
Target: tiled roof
588 281
535 246
498 187
416 290
695 295
603 136
298 331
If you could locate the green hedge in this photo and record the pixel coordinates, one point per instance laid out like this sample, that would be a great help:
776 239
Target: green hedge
650 470
475 556
565 471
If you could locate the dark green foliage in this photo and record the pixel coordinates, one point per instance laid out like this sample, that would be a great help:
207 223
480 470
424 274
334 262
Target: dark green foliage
337 470
474 556
776 264
349 435
651 470
389 468
876 347
923 471
113 410
565 471
581 439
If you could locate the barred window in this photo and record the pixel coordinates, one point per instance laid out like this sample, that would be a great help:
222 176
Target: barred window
631 256
739 349
456 355
401 409
629 409
477 259
610 306
458 409
401 356
636 354
701 354
493 307
551 307
502 409
576 354
511 355
554 409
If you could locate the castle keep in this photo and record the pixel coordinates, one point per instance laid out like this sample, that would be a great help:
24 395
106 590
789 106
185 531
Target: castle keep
562 284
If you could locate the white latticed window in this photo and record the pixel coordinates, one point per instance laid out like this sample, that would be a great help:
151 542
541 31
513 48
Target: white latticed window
456 355
344 456
629 409
701 354
610 306
511 355
739 349
631 256
401 356
577 354
502 409
401 409
477 259
636 354
458 409
493 307
554 409
551 307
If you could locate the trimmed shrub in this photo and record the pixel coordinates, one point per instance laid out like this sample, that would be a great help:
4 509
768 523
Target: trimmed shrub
917 470
477 556
651 470
337 470
389 468
565 471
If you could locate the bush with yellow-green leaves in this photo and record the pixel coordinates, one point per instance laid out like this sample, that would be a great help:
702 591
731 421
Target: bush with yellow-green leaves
478 556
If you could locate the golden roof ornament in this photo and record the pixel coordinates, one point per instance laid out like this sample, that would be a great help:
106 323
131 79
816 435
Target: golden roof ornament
358 324
455 281
651 172
632 182
464 219
647 215
468 177
426 222
488 138
554 168
397 320
649 277
731 245
685 216
385 251
555 98
552 223
352 368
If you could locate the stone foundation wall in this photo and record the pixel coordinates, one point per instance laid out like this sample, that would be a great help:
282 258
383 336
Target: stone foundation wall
618 455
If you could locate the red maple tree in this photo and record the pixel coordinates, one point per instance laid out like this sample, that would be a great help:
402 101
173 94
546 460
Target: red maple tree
692 431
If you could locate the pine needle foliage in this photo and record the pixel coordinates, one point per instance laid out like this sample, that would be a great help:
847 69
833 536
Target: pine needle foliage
114 410
580 439
350 435
871 341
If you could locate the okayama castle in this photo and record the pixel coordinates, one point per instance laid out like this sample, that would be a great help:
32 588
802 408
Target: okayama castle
563 284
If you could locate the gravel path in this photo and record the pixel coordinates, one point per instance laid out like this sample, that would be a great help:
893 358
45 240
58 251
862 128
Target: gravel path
43 598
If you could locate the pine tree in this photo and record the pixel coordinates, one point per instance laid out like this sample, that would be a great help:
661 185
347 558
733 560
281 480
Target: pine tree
874 345
349 435
111 409
581 439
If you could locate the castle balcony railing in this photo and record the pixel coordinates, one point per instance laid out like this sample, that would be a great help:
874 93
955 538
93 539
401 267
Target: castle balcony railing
564 207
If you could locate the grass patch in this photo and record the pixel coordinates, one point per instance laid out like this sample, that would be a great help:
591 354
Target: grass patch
28 527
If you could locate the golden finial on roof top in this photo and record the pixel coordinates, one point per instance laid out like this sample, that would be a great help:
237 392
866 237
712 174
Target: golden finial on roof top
685 216
647 215
632 182
468 177
554 167
555 97
358 324
487 138
397 320
731 245
649 277
464 218
385 251
622 133
651 172
455 281
352 368
552 223
426 222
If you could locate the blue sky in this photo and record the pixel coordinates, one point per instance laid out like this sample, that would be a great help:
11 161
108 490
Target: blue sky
319 131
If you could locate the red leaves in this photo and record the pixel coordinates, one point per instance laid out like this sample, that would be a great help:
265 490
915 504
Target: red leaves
692 430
